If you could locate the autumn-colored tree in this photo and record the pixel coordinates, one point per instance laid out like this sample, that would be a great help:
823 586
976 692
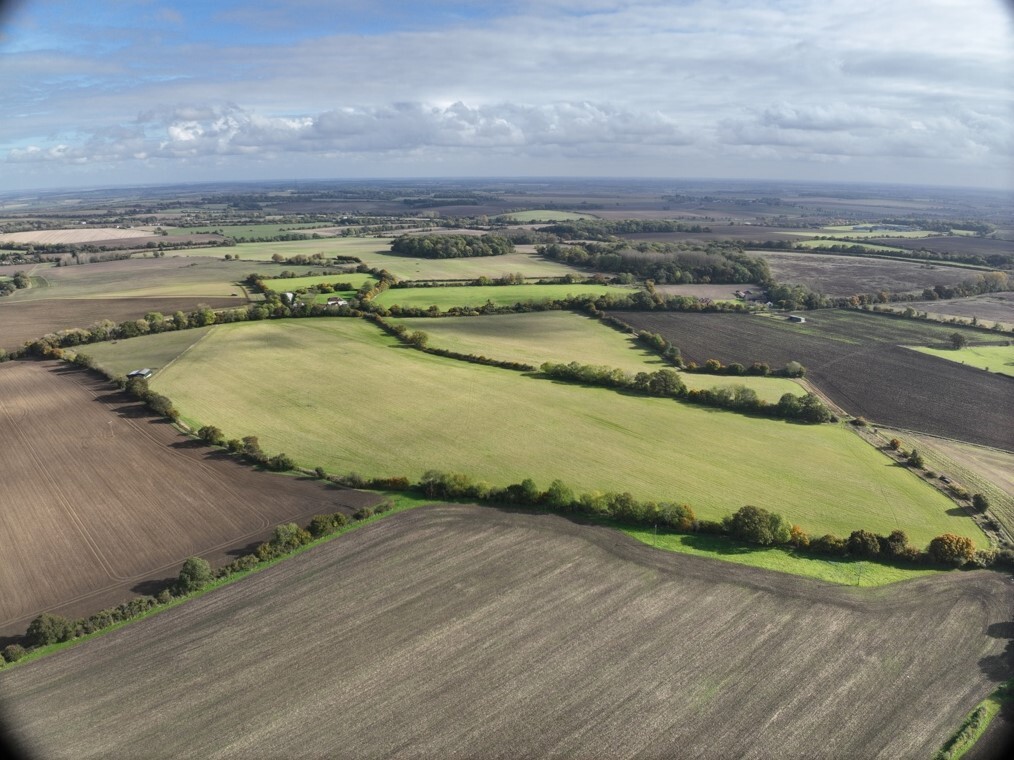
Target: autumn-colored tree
950 549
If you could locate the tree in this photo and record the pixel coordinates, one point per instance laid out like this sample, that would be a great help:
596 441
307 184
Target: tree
915 460
958 341
559 495
194 574
48 629
950 549
980 501
758 526
212 435
862 543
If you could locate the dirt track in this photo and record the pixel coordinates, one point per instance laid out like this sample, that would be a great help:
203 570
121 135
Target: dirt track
468 632
101 501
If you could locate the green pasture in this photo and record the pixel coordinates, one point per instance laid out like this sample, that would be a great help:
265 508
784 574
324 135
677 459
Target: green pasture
845 232
285 284
545 215
847 572
246 230
564 336
343 395
119 357
477 295
990 358
866 246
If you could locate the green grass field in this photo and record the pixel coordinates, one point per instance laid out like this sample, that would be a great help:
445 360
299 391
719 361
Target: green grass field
284 284
545 215
991 358
343 395
501 295
563 336
152 351
328 246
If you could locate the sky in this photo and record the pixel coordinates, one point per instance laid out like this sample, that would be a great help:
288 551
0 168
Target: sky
114 92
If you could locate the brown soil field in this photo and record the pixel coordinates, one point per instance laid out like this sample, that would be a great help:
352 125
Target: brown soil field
857 360
462 631
27 320
753 233
76 235
101 499
989 307
847 275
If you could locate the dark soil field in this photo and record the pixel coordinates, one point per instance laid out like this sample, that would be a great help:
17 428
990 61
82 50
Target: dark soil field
989 307
848 275
102 501
753 233
22 321
963 244
856 358
458 631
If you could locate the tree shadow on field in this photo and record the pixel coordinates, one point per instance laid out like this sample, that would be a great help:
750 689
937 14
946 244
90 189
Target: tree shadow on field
1000 667
152 586
241 551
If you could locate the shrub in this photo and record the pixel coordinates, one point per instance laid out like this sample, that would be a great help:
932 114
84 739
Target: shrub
289 536
14 652
362 513
325 525
712 527
949 549
915 460
799 537
280 463
829 544
211 434
980 502
862 543
194 574
895 444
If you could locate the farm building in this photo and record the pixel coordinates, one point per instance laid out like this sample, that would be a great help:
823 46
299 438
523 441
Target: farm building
142 373
337 302
796 318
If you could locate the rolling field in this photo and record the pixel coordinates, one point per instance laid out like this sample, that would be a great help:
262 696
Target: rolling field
857 359
99 497
456 631
138 278
872 247
546 215
564 336
249 230
847 275
501 295
301 386
28 320
999 359
327 246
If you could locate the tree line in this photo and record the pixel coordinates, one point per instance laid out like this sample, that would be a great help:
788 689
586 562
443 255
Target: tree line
451 246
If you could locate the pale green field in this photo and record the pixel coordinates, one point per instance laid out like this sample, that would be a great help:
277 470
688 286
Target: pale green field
563 336
283 284
847 572
992 358
153 351
846 232
501 295
829 243
546 215
327 246
343 395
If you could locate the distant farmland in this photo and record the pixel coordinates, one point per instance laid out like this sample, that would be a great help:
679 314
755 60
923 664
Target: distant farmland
501 295
99 497
305 387
847 275
459 631
857 359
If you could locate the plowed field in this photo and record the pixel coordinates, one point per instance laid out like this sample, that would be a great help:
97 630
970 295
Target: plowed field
857 361
99 497
466 632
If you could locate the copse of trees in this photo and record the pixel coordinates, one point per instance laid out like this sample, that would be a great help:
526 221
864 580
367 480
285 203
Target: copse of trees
451 246
602 229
